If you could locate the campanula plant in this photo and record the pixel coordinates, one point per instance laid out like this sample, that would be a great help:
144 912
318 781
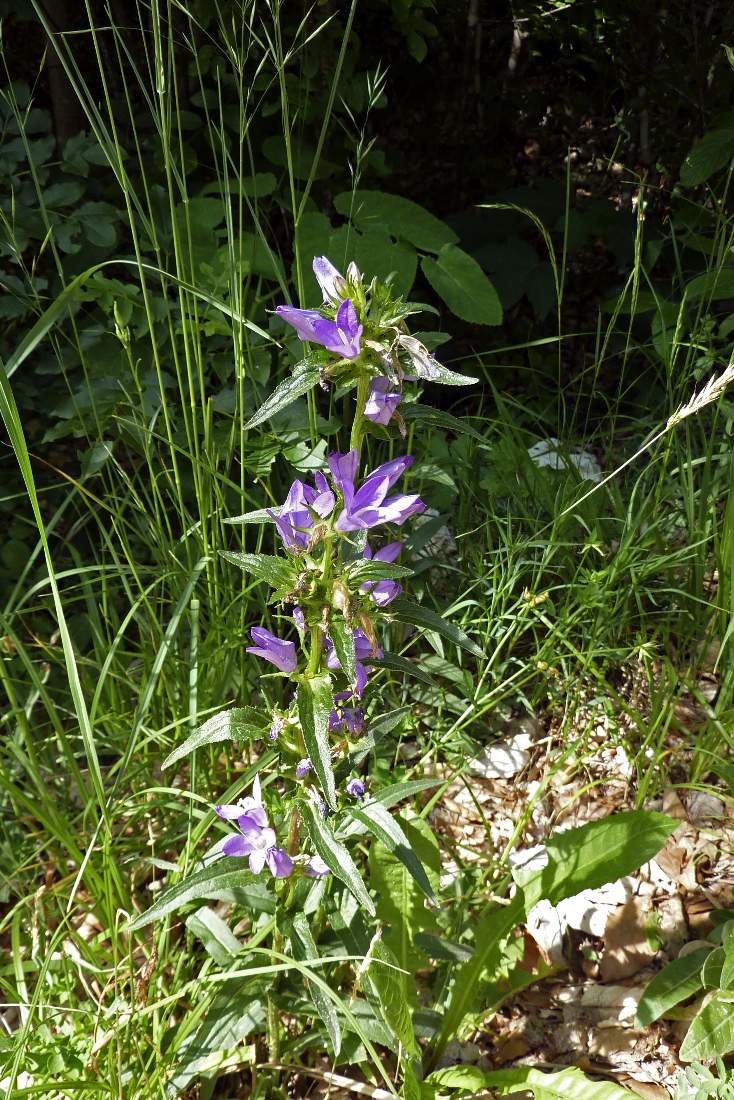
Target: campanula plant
336 582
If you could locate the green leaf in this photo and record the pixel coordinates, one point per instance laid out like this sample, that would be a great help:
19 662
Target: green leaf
218 881
711 1033
305 948
386 983
405 611
712 152
406 220
303 379
396 663
675 983
424 414
232 1016
380 822
335 855
315 701
726 977
277 572
565 1084
260 515
712 285
342 635
370 570
712 968
238 724
438 947
596 853
459 280
215 934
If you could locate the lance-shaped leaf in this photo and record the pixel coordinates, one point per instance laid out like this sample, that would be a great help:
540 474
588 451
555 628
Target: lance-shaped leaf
315 701
385 981
277 572
238 724
381 823
342 636
335 855
565 1084
396 663
675 983
305 948
225 880
711 1033
405 611
303 379
260 515
424 414
376 570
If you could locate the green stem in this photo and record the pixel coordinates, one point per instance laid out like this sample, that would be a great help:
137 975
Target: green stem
363 389
314 657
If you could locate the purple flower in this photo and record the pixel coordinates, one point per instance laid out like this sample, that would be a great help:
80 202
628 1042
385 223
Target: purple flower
370 506
343 336
356 788
295 518
380 403
341 717
383 592
316 868
303 767
363 651
303 321
276 727
331 281
251 808
279 862
271 648
299 619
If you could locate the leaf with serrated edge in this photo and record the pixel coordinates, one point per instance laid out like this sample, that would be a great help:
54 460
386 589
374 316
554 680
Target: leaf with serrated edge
210 882
323 1005
405 611
381 823
342 636
285 394
315 701
231 725
335 855
276 572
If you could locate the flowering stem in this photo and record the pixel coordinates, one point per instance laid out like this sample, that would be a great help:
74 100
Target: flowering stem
314 657
363 390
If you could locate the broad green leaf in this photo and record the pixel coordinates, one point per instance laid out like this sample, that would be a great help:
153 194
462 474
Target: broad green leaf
238 724
390 796
301 381
370 570
710 153
335 855
381 823
405 611
726 977
424 414
260 515
374 251
712 969
401 903
219 941
406 220
277 572
714 285
578 859
342 635
386 984
459 280
596 853
218 881
232 1016
675 983
438 947
711 1033
315 702
565 1084
305 948
396 663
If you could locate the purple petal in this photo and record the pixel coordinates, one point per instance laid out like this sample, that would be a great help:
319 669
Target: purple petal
388 553
303 321
393 469
280 862
356 788
316 868
280 653
257 861
384 592
343 336
380 404
229 812
399 508
299 618
332 283
236 846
